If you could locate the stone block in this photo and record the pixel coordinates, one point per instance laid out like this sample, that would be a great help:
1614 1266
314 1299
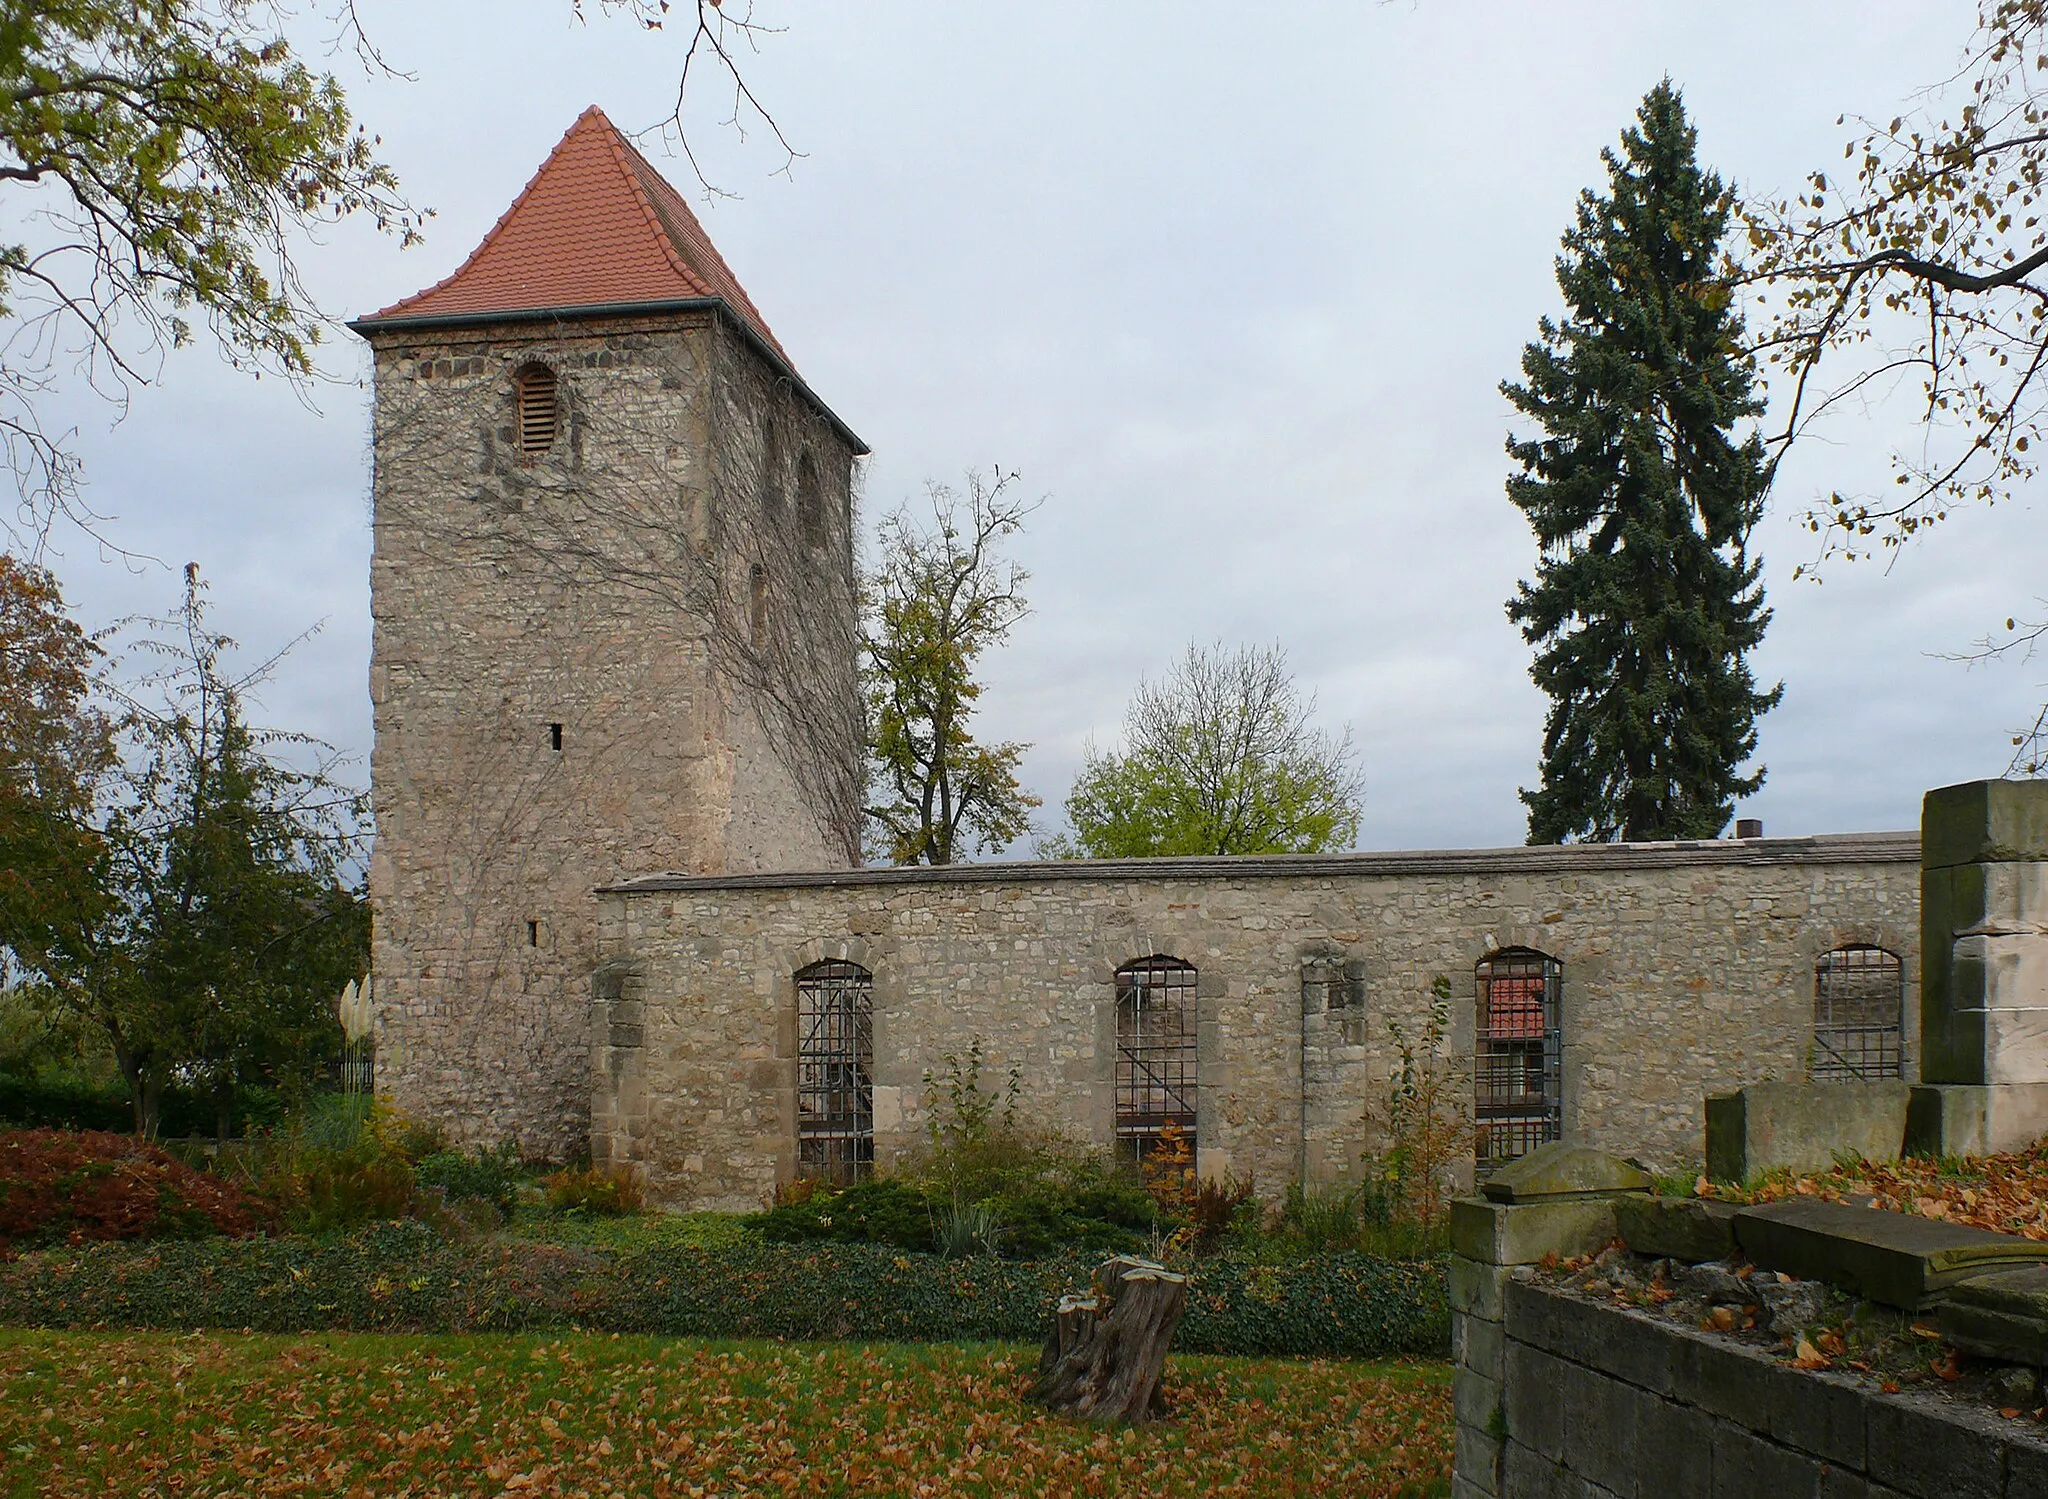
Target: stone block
1477 1289
1677 1228
1609 1339
1984 822
1894 1258
2001 1314
1479 1345
2026 1469
1558 1170
1724 1379
1673 1455
1527 1474
1918 1452
1822 1414
1803 1126
1478 1400
1534 1399
1976 1119
1747 1466
1602 1421
1477 1458
1523 1233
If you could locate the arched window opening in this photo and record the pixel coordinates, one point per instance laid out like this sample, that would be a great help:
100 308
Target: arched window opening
835 1086
757 605
810 503
1859 1002
1518 1101
538 410
1155 1054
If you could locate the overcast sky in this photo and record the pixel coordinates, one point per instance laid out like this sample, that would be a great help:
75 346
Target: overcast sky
1232 286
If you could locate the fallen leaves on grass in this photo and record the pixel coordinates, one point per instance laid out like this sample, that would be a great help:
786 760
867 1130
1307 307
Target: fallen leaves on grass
589 1415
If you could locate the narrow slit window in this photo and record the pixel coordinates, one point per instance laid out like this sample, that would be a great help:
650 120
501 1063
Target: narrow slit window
1859 1001
533 934
835 1084
538 409
1156 1074
554 736
1518 1101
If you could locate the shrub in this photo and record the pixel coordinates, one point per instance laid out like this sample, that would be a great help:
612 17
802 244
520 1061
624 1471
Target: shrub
591 1190
344 1162
1422 1125
58 1186
880 1210
71 1102
491 1176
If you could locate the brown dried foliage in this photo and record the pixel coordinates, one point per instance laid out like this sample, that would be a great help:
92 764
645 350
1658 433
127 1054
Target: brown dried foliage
60 1186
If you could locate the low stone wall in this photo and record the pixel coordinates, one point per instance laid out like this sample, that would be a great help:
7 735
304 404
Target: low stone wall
1603 1400
1566 1391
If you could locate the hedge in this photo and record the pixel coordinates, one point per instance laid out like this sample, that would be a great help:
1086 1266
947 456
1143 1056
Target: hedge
73 1103
403 1277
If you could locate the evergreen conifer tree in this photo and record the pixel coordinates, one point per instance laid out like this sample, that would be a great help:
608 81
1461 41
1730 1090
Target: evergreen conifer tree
1646 600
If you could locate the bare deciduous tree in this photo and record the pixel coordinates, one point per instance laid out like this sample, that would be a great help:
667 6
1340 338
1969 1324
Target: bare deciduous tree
941 595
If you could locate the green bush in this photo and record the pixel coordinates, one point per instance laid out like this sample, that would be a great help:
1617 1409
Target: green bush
492 1176
404 1277
67 1101
880 1210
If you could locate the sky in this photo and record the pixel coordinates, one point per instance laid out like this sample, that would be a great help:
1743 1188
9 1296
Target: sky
1233 288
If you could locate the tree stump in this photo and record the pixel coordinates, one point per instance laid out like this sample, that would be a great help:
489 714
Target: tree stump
1108 1348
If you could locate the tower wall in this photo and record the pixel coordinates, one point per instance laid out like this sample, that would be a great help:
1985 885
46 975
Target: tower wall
607 587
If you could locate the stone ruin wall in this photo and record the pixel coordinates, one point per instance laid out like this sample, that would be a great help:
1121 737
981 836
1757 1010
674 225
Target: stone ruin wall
594 588
1688 969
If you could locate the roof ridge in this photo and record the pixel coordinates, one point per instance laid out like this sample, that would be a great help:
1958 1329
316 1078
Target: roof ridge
717 277
619 146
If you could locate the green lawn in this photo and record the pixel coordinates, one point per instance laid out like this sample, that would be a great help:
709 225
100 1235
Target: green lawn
105 1414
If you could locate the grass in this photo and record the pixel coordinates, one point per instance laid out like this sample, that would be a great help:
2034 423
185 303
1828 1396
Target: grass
600 1416
629 1233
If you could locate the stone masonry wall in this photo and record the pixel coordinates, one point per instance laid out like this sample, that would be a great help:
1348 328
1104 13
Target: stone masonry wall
1608 1402
1688 969
589 587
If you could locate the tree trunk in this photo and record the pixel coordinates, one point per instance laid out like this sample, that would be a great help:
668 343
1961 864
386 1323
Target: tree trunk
1107 1351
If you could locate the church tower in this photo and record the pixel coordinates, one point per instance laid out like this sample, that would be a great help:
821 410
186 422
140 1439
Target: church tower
614 629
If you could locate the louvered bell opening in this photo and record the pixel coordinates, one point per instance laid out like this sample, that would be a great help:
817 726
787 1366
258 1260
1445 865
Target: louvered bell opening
539 411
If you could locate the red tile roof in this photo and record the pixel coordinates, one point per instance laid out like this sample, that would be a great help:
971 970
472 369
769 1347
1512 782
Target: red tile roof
597 226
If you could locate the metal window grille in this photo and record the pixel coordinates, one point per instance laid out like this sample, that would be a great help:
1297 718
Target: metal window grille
1859 997
1155 1054
835 1087
538 410
1518 1101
